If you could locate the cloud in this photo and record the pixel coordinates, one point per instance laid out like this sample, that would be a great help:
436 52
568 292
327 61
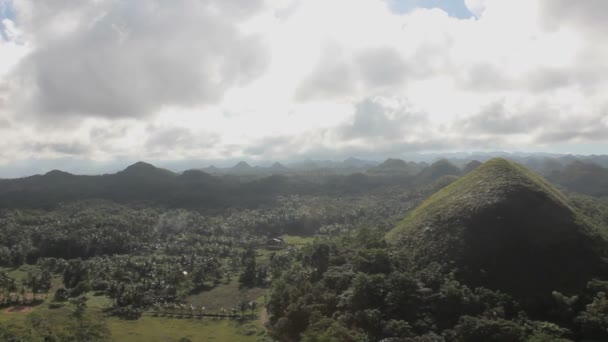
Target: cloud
485 77
60 148
382 67
587 77
180 141
379 125
121 59
277 145
540 123
476 7
108 132
576 128
588 15
598 133
332 77
382 118
339 74
498 119
117 79
5 124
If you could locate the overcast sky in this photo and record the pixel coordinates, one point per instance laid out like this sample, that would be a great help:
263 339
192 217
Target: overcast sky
85 83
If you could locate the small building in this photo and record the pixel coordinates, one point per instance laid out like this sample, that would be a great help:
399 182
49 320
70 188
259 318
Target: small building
275 243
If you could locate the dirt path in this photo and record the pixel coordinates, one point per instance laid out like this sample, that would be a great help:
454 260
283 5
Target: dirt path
263 316
18 309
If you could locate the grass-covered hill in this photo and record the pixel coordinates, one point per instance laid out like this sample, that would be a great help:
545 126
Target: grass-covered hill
585 178
396 166
504 227
437 170
472 165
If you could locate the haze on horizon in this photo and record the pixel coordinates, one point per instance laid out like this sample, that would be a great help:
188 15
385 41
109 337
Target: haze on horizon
90 84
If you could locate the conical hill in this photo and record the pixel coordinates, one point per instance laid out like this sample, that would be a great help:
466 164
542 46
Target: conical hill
504 227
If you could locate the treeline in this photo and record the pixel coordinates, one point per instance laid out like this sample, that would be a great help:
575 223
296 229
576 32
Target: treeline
87 229
142 256
147 185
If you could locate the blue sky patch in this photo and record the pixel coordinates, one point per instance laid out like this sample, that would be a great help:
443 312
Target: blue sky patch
7 11
454 8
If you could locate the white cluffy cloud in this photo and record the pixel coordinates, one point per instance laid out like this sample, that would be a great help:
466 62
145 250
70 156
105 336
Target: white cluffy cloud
274 79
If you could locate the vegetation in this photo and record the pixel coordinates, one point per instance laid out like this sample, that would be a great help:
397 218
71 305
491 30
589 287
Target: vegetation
147 255
585 178
360 292
496 219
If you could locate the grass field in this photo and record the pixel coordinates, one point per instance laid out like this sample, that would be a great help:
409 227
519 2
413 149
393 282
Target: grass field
13 317
297 240
226 296
152 329
162 329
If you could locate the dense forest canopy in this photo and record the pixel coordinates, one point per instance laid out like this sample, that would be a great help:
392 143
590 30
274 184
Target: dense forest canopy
452 267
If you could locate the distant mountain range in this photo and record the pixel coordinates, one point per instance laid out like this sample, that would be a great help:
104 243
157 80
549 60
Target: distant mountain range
544 163
243 168
247 185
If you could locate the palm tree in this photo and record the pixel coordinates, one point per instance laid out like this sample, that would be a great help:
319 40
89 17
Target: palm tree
243 306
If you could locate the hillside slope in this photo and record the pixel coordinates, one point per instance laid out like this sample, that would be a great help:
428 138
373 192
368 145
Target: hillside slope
506 228
437 170
585 178
472 165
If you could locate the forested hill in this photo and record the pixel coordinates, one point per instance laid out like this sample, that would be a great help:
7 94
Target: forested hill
143 182
140 182
240 186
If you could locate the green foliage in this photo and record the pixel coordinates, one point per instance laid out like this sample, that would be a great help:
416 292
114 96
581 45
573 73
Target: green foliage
585 178
471 329
493 179
438 170
375 260
354 303
57 325
497 218
328 330
593 208
249 276
338 280
319 260
594 320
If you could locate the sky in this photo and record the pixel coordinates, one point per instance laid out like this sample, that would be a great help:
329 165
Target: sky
91 85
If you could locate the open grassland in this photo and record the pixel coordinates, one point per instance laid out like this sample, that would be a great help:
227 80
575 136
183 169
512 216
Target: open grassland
149 329
226 296
297 240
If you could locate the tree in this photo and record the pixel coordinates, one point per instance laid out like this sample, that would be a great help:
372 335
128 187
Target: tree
319 260
249 276
243 305
473 329
594 320
80 305
74 273
38 280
